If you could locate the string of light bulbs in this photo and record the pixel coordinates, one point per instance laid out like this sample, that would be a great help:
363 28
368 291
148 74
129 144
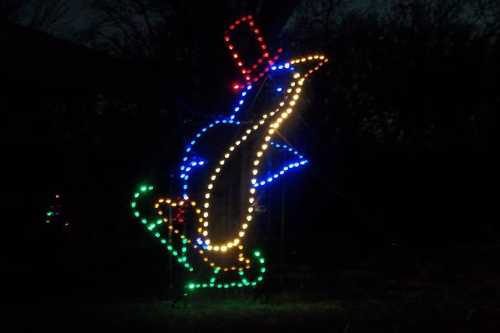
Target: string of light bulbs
170 229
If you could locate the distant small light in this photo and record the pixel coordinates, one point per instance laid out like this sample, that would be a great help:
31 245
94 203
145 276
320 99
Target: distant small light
279 89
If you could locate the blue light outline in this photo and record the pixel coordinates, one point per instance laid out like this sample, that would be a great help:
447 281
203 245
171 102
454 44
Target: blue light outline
189 163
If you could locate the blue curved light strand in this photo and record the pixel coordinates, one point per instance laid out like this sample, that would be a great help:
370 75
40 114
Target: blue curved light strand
190 163
301 161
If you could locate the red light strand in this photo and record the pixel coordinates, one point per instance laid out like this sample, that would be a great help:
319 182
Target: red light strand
265 59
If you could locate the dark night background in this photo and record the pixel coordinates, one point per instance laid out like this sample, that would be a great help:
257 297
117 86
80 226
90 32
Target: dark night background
397 209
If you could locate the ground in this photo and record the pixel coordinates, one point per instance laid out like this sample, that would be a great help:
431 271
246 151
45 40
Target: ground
237 313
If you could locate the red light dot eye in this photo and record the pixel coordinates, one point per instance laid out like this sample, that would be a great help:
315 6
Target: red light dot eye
251 24
231 27
226 39
263 46
236 86
235 55
259 61
249 17
266 55
254 66
243 18
240 63
260 39
231 47
256 31
247 78
237 22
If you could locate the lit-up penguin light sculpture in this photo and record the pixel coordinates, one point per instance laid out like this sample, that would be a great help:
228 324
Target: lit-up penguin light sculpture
183 224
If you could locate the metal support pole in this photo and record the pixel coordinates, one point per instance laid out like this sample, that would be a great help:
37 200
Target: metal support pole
282 229
170 259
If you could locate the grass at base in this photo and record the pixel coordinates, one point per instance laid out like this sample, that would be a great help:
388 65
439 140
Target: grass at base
242 313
